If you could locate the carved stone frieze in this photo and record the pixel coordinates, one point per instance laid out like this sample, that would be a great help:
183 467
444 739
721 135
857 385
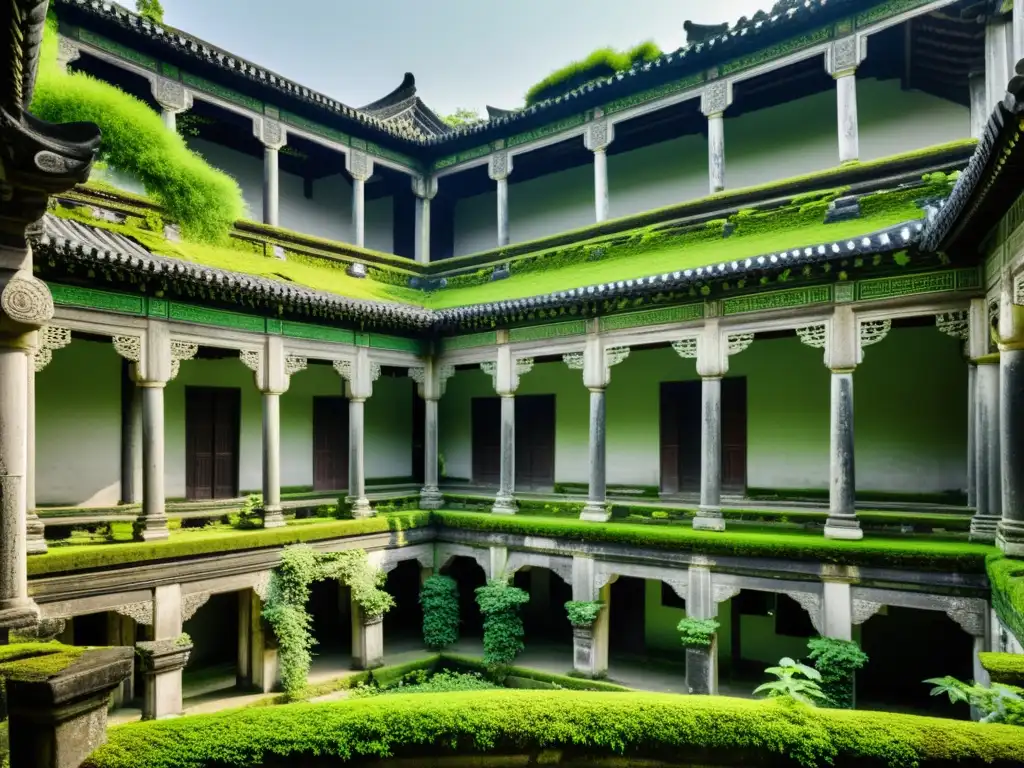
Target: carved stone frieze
574 360
614 355
813 335
51 338
873 331
686 348
140 613
738 342
192 603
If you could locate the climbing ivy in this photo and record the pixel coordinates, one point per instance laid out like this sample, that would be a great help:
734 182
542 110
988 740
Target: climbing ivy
503 628
439 597
285 609
837 660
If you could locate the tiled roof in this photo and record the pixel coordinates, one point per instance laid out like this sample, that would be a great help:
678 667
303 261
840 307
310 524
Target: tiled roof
98 248
991 183
785 19
20 39
406 114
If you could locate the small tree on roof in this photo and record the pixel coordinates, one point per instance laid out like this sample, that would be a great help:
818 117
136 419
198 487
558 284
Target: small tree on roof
150 9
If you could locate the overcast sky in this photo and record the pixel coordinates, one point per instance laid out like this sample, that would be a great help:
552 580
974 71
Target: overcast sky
464 53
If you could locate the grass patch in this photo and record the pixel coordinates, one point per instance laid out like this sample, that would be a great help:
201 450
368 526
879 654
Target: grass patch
189 543
604 62
577 726
929 554
204 201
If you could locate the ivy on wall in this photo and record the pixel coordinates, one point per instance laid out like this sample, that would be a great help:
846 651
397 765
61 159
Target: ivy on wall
503 627
439 597
290 584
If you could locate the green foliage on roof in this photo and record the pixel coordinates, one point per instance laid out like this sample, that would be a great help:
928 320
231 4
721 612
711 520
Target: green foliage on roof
150 9
462 118
929 554
604 62
486 727
204 201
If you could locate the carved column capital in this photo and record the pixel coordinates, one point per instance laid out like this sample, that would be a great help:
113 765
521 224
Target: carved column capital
424 187
171 95
499 165
716 98
599 135
432 378
25 302
359 165
269 132
843 56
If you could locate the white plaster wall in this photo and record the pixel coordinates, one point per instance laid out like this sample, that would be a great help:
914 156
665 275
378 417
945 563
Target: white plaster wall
769 144
78 427
328 214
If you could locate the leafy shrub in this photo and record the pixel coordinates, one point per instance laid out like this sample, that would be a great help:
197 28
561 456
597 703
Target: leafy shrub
150 9
586 727
837 661
503 628
604 62
793 682
439 598
422 682
697 633
204 201
583 613
997 703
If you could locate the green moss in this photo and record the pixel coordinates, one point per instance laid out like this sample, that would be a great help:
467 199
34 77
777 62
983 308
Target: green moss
200 542
463 663
604 62
36 661
573 726
1006 668
930 554
1006 575
204 201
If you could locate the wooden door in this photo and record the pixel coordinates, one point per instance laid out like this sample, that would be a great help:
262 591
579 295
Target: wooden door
419 416
734 435
669 436
212 416
486 427
330 443
680 436
535 442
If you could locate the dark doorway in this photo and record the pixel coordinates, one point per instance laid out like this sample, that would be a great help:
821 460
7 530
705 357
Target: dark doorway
468 576
893 677
486 416
680 436
405 620
419 415
544 617
212 416
330 443
626 617
535 442
329 607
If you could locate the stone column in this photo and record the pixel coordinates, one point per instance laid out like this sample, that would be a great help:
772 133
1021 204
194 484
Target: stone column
715 99
505 373
979 103
596 361
164 657
837 608
590 644
359 374
67 52
842 356
172 98
988 493
598 136
701 663
273 136
841 61
360 167
273 370
367 639
972 396
498 168
257 646
121 632
431 380
1010 536
999 60
425 189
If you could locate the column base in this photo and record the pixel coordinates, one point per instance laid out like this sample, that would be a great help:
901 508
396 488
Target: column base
583 657
596 512
431 498
504 505
18 614
1010 538
36 540
709 519
273 517
360 507
161 663
371 655
151 528
701 674
983 528
843 527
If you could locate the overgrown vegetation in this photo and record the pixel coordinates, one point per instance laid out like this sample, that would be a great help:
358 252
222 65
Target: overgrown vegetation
151 10
1006 575
462 118
1004 667
581 727
203 201
997 703
439 598
697 633
837 661
583 613
423 681
604 62
290 584
36 661
503 628
794 682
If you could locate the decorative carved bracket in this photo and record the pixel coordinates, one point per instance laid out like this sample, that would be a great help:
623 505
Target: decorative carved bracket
862 610
181 350
722 592
574 360
499 166
686 348
129 347
51 337
192 603
811 603
614 355
738 342
140 613
873 331
969 614
953 324
813 335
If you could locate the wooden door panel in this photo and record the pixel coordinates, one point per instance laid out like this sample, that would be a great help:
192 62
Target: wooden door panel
330 443
669 436
486 447
198 443
689 420
227 415
535 442
734 434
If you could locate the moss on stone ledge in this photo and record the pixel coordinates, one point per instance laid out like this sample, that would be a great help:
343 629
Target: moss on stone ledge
30 662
